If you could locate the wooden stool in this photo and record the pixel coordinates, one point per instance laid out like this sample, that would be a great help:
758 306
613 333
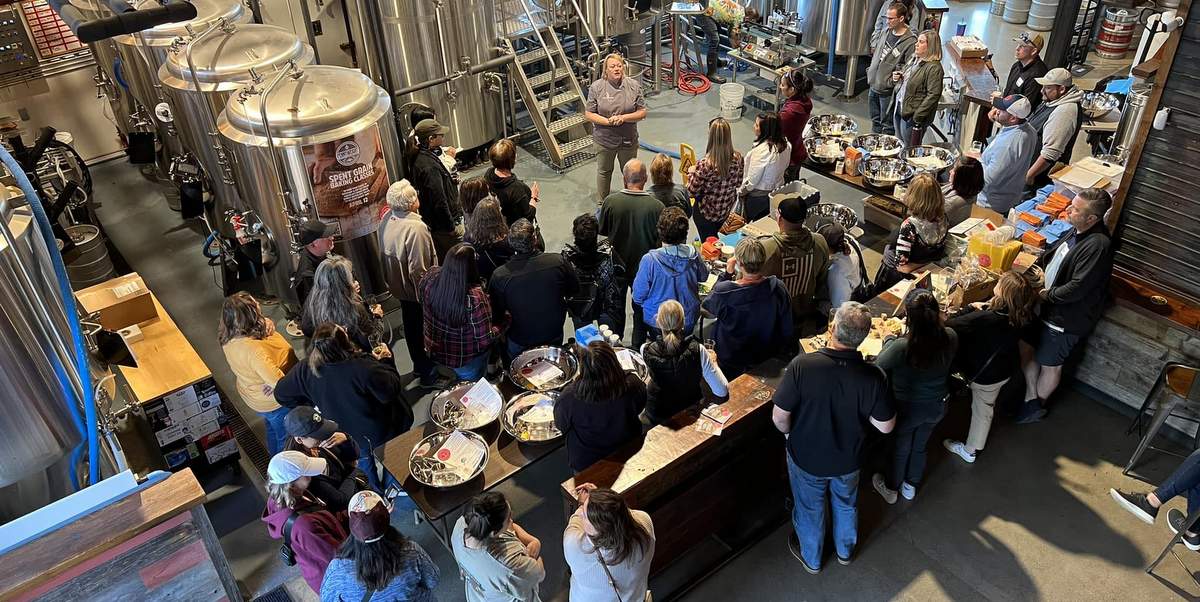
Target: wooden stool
1183 390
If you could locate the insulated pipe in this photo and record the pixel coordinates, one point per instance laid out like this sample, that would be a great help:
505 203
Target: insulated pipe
262 110
489 65
437 21
126 20
222 158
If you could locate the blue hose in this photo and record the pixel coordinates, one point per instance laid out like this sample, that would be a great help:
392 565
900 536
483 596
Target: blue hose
89 423
654 149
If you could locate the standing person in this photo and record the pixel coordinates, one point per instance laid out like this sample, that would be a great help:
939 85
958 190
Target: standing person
893 50
608 547
715 179
470 193
599 410
408 254
317 239
458 328
1185 481
801 261
517 200
823 405
533 288
1007 157
988 353
966 182
307 527
315 436
881 23
363 395
1022 76
488 234
1057 122
753 311
919 89
847 272
677 363
436 187
601 294
258 356
499 561
615 104
662 176
795 86
719 12
629 219
764 166
448 153
335 298
918 367
673 271
1077 269
377 561
921 237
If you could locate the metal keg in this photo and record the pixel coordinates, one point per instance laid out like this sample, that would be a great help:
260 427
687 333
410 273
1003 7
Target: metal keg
1129 128
997 8
1041 15
1016 11
1116 32
88 262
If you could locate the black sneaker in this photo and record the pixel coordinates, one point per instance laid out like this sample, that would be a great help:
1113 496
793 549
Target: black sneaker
847 560
715 78
1033 411
1175 520
794 548
1136 504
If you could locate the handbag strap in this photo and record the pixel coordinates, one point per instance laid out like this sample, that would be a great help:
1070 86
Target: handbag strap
607 573
862 266
985 365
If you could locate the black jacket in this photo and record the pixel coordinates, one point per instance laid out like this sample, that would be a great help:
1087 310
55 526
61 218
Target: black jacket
1076 298
343 478
534 289
364 396
439 195
987 346
1028 88
305 272
674 379
513 195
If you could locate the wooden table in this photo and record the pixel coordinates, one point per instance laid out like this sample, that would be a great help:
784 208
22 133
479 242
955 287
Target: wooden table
700 486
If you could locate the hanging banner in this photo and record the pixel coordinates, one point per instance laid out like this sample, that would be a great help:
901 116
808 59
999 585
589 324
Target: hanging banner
349 180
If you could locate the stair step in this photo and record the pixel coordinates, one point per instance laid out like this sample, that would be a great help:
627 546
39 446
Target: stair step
533 55
559 99
575 146
566 123
538 81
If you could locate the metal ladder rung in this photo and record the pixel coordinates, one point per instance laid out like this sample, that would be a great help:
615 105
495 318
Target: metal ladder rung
559 99
538 81
561 125
533 55
575 146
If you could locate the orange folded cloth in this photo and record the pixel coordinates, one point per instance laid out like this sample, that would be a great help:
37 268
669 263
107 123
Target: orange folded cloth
1033 239
1029 219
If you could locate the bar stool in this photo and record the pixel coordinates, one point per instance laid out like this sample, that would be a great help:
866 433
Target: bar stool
1182 393
1187 526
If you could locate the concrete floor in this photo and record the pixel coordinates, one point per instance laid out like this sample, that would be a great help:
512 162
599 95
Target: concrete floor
1031 519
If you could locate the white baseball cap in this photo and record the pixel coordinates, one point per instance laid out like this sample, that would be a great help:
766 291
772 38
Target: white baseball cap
1016 105
288 466
1055 77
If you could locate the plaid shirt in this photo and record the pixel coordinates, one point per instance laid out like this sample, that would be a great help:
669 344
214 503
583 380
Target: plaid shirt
451 345
715 195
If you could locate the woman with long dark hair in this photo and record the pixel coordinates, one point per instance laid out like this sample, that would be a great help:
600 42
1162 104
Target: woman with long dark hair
714 180
458 315
377 562
765 165
335 298
470 193
608 547
677 363
598 412
966 182
796 87
918 366
497 558
487 232
258 356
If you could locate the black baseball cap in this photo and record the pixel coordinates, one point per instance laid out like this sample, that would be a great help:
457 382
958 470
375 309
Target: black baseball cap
312 230
305 421
793 209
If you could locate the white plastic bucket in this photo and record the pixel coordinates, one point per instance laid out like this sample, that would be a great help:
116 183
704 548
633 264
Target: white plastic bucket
732 97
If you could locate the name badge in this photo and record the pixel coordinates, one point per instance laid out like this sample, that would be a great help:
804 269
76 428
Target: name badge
1020 81
896 51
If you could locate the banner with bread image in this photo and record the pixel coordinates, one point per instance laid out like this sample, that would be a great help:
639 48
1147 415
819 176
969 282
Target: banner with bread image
349 180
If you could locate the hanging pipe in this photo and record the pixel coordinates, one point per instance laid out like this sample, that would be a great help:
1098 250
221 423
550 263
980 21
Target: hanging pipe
262 110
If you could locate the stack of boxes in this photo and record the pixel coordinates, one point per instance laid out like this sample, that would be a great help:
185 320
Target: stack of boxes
1041 221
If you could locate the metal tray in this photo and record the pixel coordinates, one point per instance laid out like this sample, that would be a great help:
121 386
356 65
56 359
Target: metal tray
564 359
447 411
639 363
526 432
431 472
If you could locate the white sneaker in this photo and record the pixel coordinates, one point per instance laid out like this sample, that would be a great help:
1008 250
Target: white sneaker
908 491
959 449
888 495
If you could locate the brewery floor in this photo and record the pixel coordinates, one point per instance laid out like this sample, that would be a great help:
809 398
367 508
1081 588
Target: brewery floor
1031 519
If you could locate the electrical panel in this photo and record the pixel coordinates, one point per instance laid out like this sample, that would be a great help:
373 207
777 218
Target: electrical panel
16 52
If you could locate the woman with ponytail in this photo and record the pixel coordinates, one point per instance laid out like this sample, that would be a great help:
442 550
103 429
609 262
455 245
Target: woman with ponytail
918 366
677 363
796 86
497 558
608 547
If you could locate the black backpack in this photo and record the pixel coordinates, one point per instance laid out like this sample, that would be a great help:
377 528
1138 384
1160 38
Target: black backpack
286 554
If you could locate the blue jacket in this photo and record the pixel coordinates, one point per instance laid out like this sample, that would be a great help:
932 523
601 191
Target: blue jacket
665 273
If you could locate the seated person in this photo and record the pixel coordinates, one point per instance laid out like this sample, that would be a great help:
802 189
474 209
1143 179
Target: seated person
753 311
921 238
966 182
1184 481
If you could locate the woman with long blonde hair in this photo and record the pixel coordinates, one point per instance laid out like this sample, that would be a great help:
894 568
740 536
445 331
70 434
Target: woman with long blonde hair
921 238
715 179
919 89
258 357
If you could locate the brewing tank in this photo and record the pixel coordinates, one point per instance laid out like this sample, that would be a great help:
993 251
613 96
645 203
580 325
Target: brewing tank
223 61
335 149
855 22
427 39
105 53
608 18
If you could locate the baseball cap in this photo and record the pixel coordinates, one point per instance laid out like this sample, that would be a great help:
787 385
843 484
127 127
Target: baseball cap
1028 38
1055 77
428 127
370 516
1015 104
288 466
793 209
312 230
305 421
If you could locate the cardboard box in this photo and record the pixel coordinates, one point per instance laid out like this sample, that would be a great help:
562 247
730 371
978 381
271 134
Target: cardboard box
968 47
122 301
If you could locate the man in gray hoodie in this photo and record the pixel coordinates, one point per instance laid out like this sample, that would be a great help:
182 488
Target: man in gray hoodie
892 50
1057 122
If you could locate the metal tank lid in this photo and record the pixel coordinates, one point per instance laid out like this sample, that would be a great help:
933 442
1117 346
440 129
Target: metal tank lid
208 13
223 60
325 102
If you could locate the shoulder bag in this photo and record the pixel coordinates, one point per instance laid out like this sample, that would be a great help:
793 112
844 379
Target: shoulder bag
862 292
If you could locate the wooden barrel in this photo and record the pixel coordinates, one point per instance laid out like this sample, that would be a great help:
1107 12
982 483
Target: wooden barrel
88 263
1041 15
1016 11
1116 33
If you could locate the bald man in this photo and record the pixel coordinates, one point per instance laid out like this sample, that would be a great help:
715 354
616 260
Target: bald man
629 218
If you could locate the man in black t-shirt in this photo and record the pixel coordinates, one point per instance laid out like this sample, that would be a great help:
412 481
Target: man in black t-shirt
1022 76
823 405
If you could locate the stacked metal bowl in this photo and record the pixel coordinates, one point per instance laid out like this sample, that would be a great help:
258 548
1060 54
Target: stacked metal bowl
1098 104
879 145
821 149
930 159
839 126
886 172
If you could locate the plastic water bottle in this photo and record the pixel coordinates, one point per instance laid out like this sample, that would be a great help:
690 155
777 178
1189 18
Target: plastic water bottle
961 30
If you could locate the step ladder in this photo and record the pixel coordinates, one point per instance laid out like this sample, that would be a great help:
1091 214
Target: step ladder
542 74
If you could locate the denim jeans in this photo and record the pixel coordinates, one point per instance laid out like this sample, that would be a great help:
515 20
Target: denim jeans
474 369
712 42
913 429
704 227
881 117
808 512
276 432
1186 481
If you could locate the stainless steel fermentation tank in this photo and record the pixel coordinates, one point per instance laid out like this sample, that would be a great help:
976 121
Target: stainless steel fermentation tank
305 108
223 60
106 54
415 41
608 18
855 22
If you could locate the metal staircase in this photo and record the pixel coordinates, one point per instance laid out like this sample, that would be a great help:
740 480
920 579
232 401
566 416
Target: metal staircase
541 73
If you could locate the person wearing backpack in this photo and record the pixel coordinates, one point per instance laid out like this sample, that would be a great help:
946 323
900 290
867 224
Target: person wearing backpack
601 296
310 531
